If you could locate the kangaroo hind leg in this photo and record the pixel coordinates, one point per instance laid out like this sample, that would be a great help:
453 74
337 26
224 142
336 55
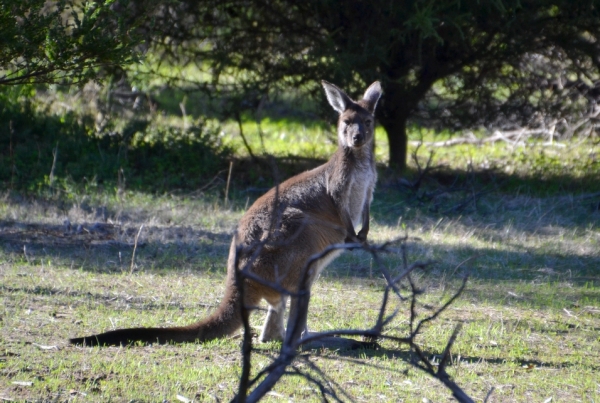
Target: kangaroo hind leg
273 328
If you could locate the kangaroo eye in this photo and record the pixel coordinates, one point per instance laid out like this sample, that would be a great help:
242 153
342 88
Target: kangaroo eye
368 122
346 121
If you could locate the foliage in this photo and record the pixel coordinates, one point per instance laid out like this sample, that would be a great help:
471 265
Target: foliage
39 149
461 64
65 41
546 92
421 50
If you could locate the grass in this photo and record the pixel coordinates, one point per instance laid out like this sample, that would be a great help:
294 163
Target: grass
523 220
530 314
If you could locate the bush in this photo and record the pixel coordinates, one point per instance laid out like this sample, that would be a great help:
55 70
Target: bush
38 149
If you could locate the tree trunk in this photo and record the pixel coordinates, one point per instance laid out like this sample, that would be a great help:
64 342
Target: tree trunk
393 111
398 141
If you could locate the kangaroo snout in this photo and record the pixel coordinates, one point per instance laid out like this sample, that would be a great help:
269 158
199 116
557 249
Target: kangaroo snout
355 135
357 139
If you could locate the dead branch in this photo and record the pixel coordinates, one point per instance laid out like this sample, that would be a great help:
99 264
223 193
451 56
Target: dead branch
238 118
209 184
511 136
441 373
515 137
421 172
281 366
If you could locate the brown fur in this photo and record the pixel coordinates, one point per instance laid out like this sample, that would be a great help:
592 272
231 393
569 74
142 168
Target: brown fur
284 228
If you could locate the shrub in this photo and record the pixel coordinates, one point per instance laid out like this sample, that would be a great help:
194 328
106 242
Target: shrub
38 148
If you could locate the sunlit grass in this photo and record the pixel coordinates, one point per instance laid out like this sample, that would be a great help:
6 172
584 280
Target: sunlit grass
282 138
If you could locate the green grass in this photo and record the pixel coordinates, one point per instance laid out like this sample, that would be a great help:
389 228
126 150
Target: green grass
530 315
283 137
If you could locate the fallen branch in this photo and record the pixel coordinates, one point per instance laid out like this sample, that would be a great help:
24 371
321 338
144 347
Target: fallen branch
512 137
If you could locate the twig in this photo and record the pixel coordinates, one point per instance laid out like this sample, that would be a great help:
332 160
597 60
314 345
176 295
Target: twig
487 397
258 115
203 188
322 388
464 261
446 356
421 172
353 332
54 158
247 340
228 182
183 112
462 205
498 135
135 244
25 253
265 380
441 374
443 308
238 118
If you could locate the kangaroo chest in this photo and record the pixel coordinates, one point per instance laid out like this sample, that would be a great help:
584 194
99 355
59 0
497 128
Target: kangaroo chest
359 192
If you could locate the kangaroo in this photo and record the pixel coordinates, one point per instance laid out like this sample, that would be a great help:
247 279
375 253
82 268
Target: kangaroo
283 229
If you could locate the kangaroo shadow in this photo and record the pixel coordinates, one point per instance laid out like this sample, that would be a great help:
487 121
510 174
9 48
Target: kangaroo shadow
108 248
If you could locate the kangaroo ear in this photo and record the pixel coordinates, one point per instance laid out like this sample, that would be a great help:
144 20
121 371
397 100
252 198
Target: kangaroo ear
372 95
336 97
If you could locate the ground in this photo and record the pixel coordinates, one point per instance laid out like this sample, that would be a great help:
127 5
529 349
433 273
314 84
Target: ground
94 261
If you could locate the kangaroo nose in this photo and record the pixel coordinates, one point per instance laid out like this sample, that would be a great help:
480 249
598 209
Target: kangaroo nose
356 138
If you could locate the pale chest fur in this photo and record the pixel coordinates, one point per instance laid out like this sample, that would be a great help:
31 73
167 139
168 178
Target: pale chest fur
359 192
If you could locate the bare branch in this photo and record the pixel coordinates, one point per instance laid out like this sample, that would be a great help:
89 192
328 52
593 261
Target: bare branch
446 356
444 307
266 379
247 340
489 394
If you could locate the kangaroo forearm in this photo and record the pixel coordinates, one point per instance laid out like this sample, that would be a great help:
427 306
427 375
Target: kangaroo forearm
351 236
362 234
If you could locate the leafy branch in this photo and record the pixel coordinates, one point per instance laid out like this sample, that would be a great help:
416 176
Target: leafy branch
65 41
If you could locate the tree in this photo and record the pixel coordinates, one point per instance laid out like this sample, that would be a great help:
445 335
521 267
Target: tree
62 41
465 49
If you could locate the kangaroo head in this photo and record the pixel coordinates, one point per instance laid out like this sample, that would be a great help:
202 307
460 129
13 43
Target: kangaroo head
356 121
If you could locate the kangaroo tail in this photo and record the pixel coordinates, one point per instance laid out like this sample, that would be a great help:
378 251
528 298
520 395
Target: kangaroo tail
223 322
138 334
